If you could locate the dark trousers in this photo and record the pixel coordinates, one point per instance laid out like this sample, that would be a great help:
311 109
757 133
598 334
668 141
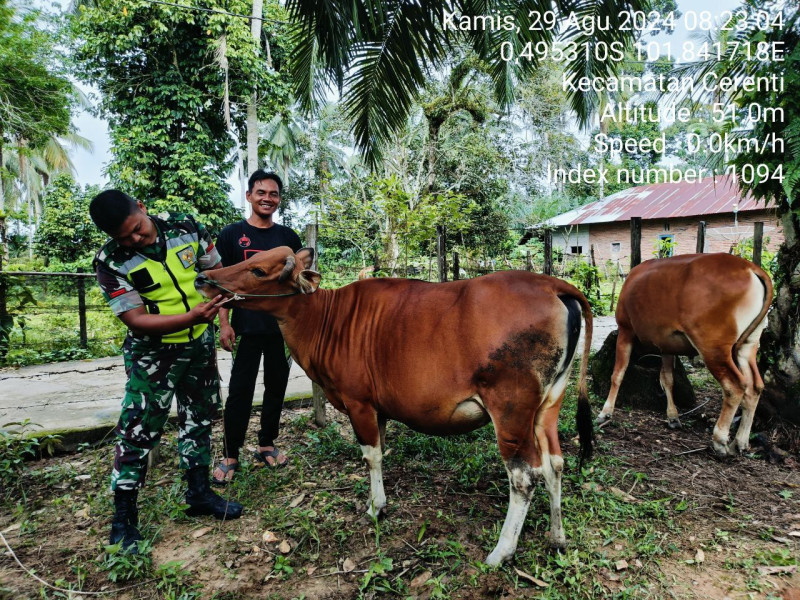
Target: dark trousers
244 372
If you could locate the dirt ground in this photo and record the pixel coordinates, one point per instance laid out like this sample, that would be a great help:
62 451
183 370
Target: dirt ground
655 515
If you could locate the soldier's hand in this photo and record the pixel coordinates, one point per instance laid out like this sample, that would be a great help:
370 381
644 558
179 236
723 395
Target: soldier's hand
206 312
227 337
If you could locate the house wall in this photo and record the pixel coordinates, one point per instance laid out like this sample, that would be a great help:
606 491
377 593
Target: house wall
721 234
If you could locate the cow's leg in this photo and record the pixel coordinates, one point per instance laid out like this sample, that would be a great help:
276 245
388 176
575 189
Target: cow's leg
730 378
667 383
623 356
754 385
514 430
546 432
365 423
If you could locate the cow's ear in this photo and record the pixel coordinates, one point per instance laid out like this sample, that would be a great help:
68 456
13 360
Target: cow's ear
305 257
308 281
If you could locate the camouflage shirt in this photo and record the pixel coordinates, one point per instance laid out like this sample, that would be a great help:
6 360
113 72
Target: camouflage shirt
109 262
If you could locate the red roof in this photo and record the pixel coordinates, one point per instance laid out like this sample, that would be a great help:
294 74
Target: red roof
712 195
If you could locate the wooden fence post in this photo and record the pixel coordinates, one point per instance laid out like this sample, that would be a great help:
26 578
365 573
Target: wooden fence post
758 241
548 252
596 271
318 396
456 267
82 308
441 257
636 241
701 237
528 261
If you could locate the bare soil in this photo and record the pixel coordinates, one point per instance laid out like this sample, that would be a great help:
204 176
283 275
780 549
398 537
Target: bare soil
720 528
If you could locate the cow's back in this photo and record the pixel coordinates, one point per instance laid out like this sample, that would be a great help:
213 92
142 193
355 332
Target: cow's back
664 300
405 342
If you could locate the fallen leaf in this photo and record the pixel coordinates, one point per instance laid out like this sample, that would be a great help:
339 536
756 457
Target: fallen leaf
592 487
284 547
256 550
699 556
794 533
83 477
621 565
268 537
531 578
609 575
622 495
83 513
201 532
11 528
311 570
229 564
348 565
638 564
420 580
354 477
774 570
296 502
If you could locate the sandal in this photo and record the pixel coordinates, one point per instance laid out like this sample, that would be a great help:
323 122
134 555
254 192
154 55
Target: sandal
225 470
261 458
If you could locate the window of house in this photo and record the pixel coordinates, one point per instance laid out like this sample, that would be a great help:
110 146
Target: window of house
666 226
616 247
576 249
666 245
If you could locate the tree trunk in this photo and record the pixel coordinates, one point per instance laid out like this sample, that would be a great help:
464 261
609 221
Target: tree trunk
780 343
252 106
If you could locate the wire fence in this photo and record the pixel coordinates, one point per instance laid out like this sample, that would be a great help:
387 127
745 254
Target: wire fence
46 317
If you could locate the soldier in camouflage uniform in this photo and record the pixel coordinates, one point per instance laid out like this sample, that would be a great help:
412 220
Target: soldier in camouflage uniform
146 272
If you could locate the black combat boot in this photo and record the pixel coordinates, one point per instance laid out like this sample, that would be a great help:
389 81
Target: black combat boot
124 525
203 501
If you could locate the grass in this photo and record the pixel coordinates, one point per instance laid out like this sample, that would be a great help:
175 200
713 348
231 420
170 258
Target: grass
447 500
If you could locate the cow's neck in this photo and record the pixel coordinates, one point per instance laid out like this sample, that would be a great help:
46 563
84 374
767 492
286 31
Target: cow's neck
305 324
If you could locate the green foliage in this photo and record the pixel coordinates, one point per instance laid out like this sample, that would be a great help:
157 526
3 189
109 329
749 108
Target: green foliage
66 231
175 582
124 566
17 445
35 95
166 100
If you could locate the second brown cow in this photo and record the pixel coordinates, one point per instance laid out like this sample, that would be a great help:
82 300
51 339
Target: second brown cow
442 358
714 305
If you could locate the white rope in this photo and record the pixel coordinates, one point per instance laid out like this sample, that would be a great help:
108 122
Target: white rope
58 589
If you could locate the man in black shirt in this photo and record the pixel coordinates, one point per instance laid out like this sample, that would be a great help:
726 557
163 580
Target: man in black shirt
258 332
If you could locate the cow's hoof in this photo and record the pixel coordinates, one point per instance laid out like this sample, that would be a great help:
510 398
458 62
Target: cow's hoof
495 559
557 547
674 423
603 418
722 450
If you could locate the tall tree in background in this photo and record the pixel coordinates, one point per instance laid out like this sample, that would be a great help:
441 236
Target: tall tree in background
36 99
167 96
378 53
771 172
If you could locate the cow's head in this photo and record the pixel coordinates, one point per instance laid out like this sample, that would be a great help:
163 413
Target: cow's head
266 276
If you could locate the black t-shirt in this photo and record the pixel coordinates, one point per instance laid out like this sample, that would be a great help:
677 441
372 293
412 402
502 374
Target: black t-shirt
240 241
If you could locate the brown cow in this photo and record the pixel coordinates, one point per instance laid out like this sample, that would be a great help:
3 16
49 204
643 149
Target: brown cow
714 305
442 358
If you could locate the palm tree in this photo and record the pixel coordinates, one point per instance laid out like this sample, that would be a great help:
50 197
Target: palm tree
377 52
779 179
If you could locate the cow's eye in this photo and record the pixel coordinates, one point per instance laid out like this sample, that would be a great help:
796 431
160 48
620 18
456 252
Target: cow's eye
258 272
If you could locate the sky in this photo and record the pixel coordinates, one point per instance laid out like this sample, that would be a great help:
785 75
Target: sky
90 166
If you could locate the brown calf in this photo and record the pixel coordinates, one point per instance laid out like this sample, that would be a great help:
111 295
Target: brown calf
442 358
714 305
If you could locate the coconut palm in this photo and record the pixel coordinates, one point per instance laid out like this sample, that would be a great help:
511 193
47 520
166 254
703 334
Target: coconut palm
378 52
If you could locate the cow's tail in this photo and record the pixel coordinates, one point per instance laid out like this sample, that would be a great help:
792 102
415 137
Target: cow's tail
577 304
583 416
768 292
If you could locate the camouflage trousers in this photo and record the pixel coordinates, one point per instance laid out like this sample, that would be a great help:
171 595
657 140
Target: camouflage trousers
156 373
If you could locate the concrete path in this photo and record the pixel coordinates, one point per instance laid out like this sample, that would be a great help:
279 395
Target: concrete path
80 399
